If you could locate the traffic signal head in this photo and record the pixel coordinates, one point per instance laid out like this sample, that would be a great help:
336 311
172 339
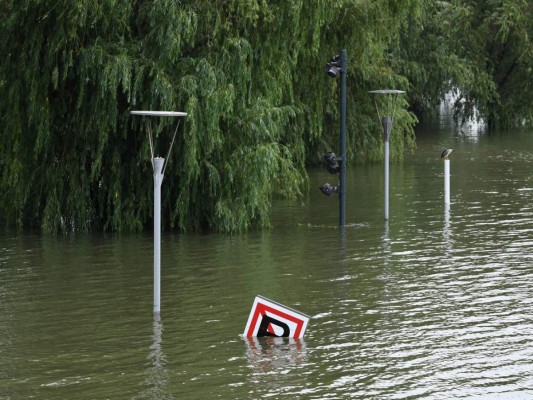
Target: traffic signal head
331 163
333 68
328 189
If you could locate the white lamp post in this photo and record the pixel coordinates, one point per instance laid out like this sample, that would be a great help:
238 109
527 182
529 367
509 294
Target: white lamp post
159 166
386 124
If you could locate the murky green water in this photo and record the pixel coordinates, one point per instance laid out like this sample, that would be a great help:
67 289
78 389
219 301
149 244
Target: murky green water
437 304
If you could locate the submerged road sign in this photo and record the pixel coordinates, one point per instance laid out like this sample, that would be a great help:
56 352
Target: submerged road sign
269 318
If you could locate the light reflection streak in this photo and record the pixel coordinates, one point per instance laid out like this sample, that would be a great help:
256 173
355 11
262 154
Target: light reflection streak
447 232
387 248
342 232
158 377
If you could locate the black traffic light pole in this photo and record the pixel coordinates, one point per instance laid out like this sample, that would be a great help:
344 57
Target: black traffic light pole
334 163
342 186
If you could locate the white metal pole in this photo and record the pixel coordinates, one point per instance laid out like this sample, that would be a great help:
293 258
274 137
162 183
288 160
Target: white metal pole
387 180
386 123
446 181
158 180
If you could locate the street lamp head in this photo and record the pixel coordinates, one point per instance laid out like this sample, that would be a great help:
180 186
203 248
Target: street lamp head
328 189
389 107
386 91
386 116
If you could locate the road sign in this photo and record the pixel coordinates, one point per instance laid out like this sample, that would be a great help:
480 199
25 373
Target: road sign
269 318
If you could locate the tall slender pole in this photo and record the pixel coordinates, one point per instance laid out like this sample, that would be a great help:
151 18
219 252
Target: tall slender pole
342 185
446 181
386 123
158 164
158 180
386 189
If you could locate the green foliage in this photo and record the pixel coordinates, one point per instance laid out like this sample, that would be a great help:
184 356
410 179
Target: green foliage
494 37
247 72
479 49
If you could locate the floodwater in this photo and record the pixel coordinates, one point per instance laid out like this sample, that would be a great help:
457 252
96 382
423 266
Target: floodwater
435 304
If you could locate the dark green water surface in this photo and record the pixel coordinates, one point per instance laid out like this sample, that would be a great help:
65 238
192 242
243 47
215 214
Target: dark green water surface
436 304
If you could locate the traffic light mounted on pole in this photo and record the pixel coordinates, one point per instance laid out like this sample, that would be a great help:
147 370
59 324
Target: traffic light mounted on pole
337 164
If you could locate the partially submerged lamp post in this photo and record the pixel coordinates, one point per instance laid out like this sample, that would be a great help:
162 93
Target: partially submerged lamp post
158 165
386 124
337 164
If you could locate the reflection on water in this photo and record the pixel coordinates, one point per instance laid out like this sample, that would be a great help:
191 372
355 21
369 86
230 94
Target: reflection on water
447 231
266 354
274 364
158 377
435 303
386 238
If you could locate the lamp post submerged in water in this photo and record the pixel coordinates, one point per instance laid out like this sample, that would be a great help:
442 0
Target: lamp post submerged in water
158 165
386 125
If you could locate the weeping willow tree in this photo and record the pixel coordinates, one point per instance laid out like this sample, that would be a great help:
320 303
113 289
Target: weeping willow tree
248 73
480 50
494 38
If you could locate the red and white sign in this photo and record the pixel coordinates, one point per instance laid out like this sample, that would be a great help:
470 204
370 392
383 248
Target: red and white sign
269 318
